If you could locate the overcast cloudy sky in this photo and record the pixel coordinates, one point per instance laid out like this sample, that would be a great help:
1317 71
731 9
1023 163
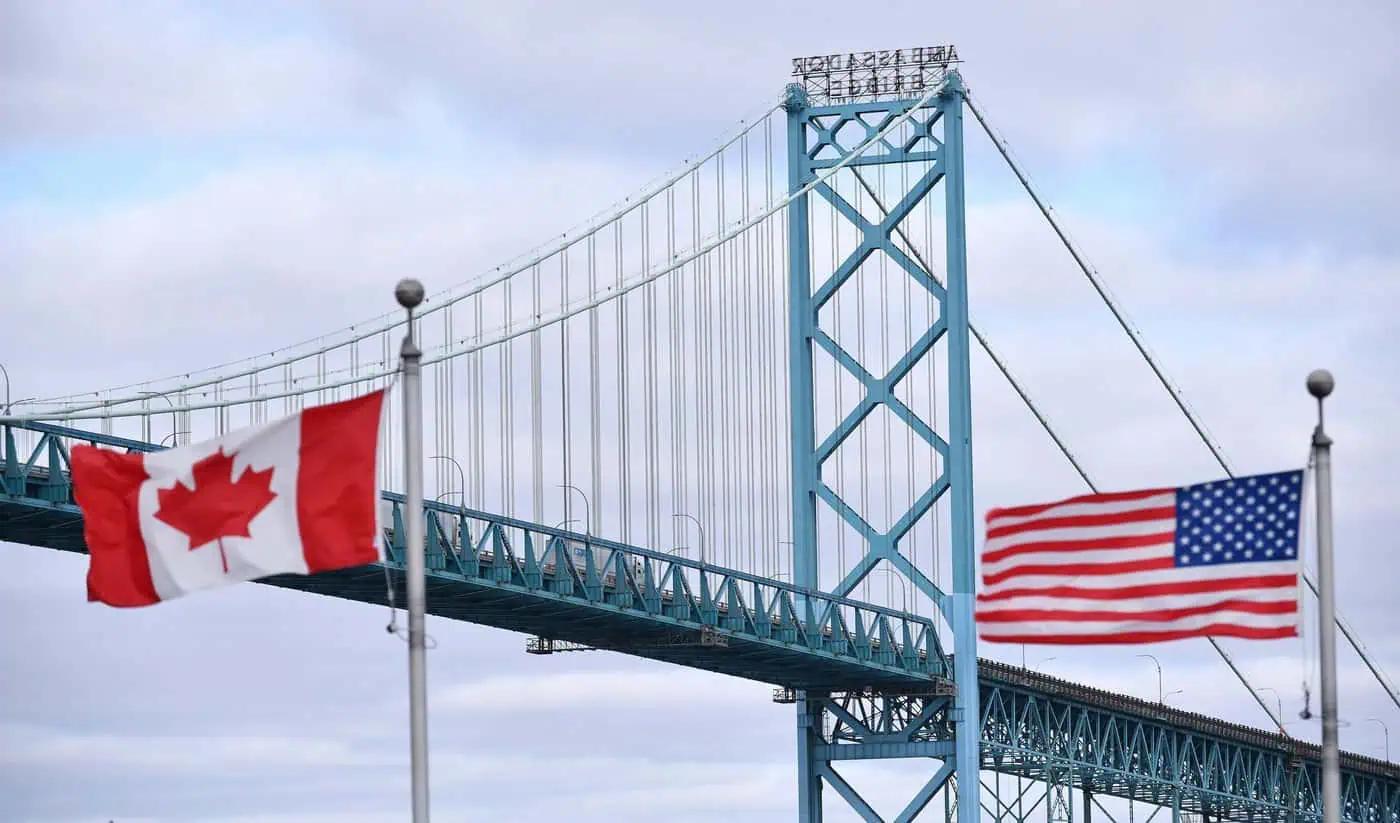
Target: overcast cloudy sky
183 184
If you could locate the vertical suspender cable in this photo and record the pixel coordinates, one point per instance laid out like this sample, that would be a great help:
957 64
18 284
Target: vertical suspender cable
862 357
720 483
506 365
675 345
537 399
595 457
623 396
649 344
747 369
565 407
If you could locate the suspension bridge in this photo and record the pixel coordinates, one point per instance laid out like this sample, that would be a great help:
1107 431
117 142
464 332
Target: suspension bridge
727 424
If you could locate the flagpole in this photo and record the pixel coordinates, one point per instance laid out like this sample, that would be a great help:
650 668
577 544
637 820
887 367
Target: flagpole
1320 384
410 294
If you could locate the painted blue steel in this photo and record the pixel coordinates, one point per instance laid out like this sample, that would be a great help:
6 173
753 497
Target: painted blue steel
814 143
518 575
959 610
1031 725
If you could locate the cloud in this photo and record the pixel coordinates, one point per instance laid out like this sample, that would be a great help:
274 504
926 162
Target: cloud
1225 168
597 690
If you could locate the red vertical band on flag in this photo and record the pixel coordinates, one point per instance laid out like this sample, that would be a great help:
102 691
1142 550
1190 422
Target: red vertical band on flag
106 485
337 492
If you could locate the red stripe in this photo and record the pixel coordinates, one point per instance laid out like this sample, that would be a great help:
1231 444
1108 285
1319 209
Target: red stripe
1160 615
106 485
1110 497
1078 569
1083 520
1125 541
1213 630
337 492
1224 584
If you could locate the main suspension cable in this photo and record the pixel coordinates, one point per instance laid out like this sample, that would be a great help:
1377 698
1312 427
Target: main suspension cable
1173 390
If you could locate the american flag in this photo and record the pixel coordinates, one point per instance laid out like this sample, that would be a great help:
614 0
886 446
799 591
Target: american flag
1212 560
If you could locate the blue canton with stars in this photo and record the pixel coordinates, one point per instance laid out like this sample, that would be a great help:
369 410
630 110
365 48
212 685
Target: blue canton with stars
1245 520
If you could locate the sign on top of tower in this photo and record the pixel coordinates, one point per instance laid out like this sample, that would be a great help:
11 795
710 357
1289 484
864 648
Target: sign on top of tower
870 75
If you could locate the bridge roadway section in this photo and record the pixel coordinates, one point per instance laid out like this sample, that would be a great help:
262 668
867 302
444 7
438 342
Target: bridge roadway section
855 658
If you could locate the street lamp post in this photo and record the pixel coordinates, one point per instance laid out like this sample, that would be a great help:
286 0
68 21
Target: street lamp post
1277 700
587 506
903 587
174 423
461 474
1170 693
1043 662
172 434
699 526
1385 729
1158 664
779 557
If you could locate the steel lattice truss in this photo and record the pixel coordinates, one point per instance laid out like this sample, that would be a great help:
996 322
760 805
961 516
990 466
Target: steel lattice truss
879 695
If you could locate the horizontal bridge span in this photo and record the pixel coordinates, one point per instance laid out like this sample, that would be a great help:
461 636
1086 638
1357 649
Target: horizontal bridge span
512 574
1042 728
563 585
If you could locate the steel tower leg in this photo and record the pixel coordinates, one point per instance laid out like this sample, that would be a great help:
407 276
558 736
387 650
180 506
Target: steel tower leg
809 779
968 714
930 147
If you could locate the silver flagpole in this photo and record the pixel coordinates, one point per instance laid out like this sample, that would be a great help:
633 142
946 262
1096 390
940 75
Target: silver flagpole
410 294
1320 385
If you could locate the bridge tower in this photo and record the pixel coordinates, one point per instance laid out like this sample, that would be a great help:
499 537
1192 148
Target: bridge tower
862 724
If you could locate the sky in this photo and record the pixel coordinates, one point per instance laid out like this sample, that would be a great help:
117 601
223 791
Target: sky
182 185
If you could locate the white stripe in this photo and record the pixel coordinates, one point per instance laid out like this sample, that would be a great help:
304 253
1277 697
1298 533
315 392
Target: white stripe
1063 558
1147 578
274 542
1042 627
1273 594
1156 501
1081 533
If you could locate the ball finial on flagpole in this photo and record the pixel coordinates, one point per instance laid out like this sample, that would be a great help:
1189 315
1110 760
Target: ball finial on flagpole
409 293
1320 383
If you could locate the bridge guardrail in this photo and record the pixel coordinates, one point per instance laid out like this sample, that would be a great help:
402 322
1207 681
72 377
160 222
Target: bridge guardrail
511 551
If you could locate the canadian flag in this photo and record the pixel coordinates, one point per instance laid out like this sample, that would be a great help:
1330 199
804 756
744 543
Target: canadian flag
296 495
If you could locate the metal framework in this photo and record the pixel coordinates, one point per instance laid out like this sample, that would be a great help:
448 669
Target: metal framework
814 143
870 678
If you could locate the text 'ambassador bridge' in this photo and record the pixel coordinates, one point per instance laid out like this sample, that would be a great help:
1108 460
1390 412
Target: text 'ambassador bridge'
727 424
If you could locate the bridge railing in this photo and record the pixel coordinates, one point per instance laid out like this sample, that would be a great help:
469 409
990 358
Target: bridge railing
497 549
482 545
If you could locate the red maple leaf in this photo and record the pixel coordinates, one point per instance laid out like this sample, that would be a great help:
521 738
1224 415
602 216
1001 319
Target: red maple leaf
217 506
